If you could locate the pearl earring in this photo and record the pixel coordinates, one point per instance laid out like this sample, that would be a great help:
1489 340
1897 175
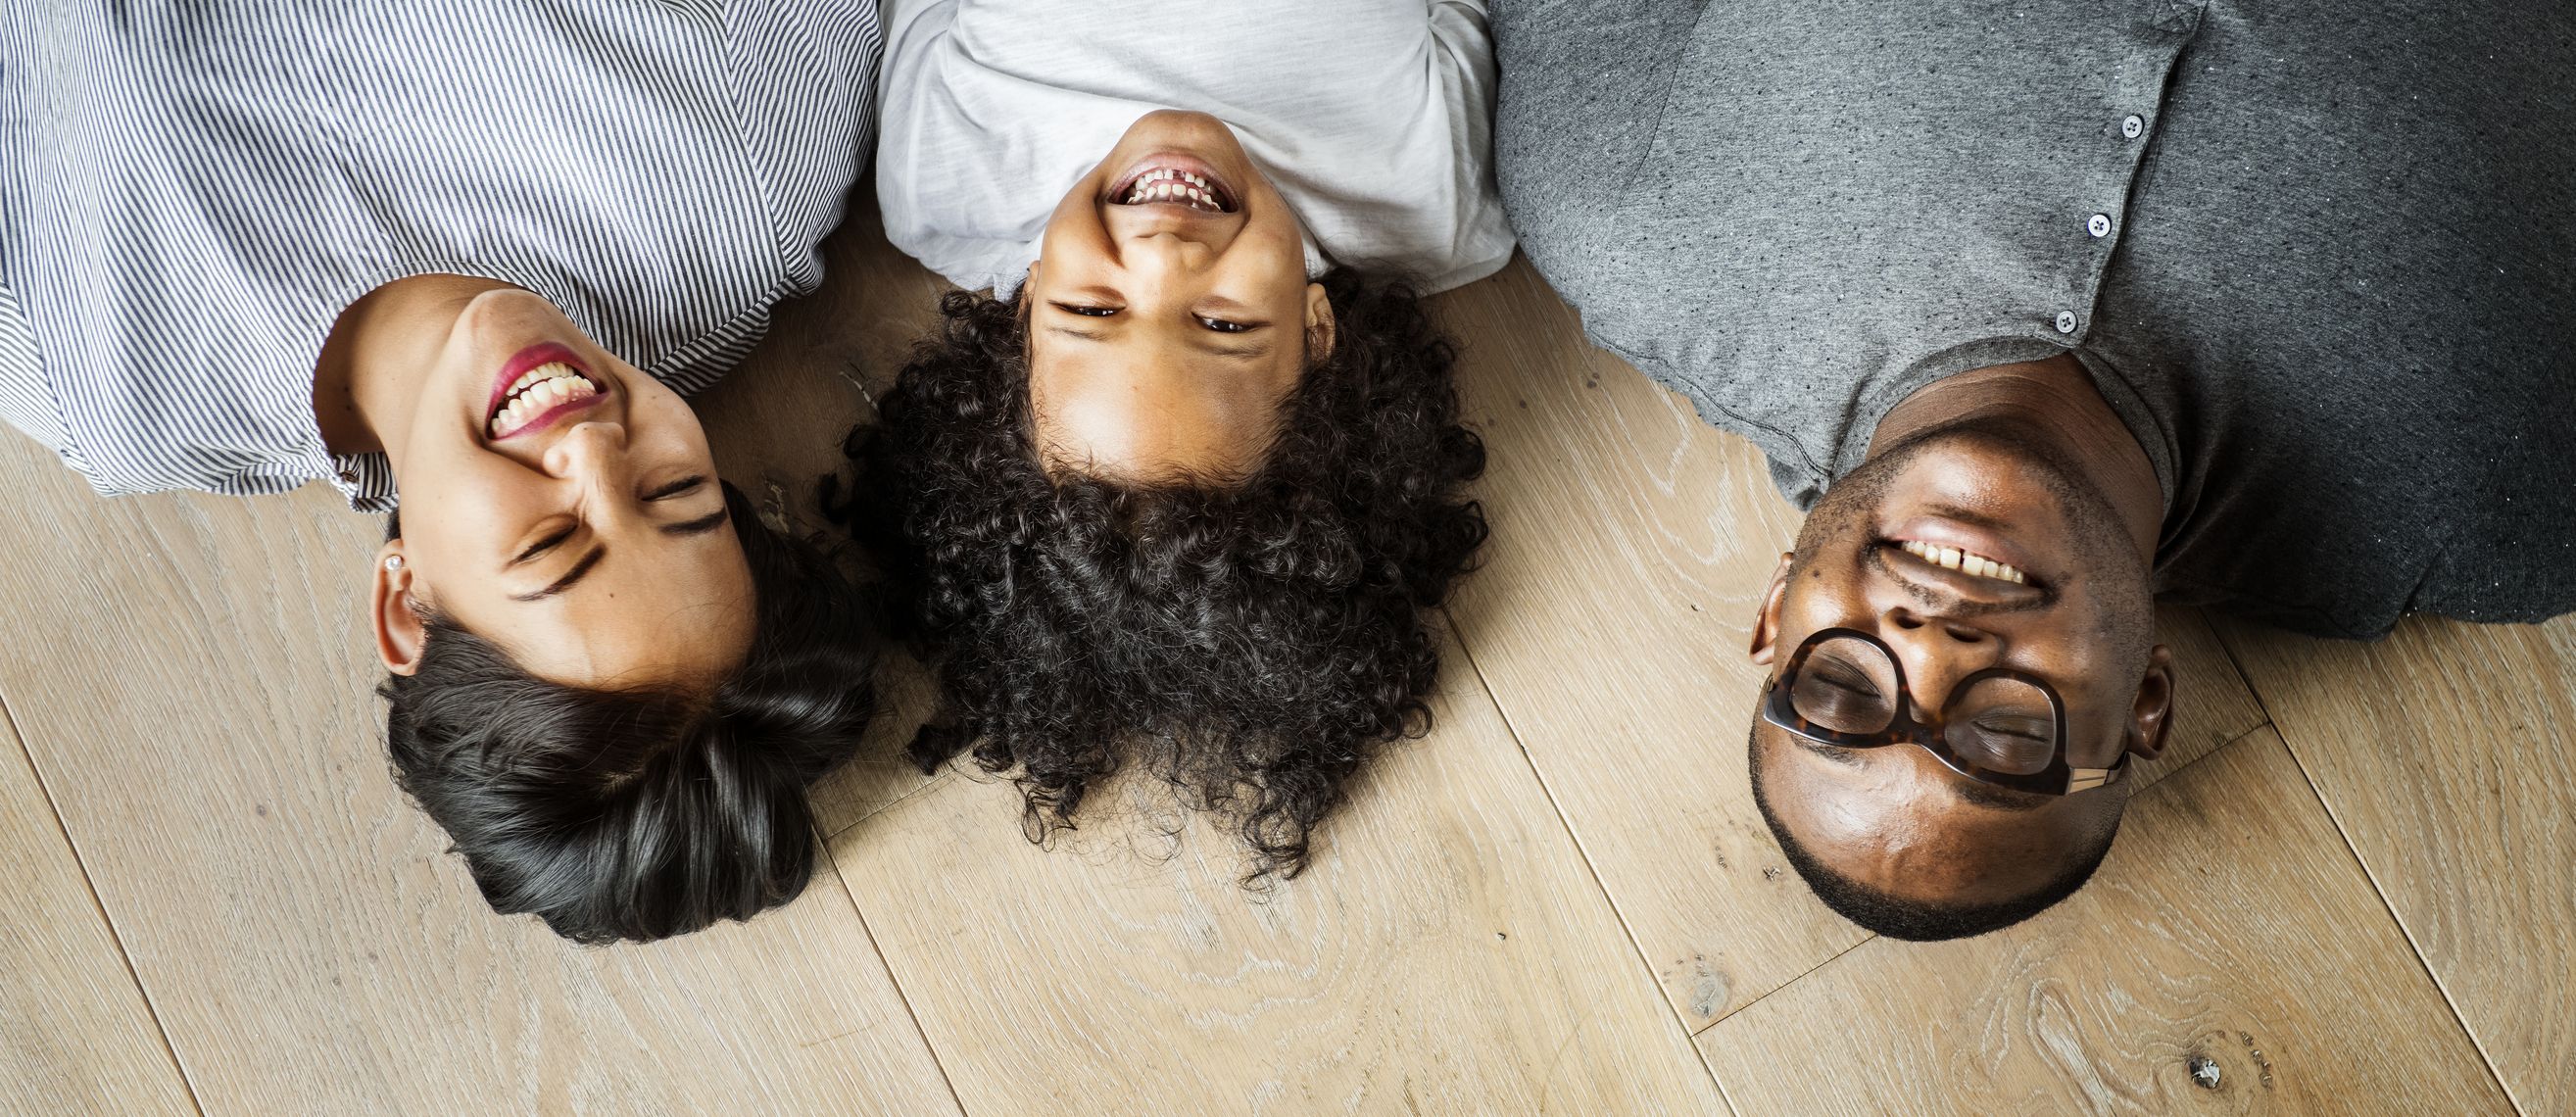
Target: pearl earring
393 563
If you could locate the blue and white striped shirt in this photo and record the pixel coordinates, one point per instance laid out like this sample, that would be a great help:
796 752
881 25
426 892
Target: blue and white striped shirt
191 193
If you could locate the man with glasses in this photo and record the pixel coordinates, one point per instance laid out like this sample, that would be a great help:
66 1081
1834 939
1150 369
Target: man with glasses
2045 317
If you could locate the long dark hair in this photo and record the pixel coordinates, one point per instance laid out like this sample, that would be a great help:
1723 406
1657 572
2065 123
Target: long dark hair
1252 642
642 814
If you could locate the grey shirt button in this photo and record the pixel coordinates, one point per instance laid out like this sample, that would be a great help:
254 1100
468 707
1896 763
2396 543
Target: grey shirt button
2066 321
2133 126
2099 225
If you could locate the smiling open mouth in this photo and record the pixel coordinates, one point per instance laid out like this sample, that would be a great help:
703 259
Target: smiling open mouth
1189 187
1952 558
548 385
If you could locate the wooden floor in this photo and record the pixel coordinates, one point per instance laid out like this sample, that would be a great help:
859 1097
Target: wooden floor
2347 889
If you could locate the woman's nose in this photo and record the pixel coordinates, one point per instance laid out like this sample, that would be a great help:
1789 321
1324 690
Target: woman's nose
587 451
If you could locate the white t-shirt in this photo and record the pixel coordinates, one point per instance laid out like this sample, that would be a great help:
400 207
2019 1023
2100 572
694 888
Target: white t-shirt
1374 119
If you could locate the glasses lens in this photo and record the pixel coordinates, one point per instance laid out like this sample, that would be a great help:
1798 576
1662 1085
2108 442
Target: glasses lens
1848 686
2004 725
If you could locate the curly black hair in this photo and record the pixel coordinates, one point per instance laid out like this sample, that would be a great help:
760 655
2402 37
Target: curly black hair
1251 640
642 814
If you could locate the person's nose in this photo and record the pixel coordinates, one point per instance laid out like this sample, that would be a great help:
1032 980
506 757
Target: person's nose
592 455
1157 258
1936 653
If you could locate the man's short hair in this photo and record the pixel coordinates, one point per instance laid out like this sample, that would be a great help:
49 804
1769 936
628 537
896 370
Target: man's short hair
646 813
1914 920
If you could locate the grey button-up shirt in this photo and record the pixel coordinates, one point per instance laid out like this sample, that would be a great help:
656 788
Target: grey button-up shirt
2321 258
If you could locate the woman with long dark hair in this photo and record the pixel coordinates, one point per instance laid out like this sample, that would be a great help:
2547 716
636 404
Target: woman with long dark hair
469 255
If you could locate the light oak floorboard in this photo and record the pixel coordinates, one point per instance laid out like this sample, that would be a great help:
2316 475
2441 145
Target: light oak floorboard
2230 924
777 425
1447 953
1632 543
2443 753
75 1035
191 675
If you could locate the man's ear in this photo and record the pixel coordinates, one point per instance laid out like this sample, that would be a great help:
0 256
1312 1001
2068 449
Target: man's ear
2151 716
400 629
1766 624
1319 323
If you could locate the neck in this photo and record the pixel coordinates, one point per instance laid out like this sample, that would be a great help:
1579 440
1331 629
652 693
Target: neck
2052 402
366 381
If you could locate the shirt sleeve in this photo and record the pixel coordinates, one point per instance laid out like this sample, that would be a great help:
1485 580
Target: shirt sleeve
24 401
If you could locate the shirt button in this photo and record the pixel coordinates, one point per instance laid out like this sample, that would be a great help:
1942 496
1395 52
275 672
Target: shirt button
2099 225
2133 126
2066 321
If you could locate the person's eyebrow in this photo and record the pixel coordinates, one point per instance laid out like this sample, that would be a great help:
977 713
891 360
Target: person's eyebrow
579 571
1068 331
2000 798
699 526
1835 753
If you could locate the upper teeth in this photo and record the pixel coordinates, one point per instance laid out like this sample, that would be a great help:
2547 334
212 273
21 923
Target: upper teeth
1964 562
536 391
1173 185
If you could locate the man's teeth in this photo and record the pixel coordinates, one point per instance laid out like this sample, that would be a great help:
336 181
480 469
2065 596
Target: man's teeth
1171 185
1964 562
538 391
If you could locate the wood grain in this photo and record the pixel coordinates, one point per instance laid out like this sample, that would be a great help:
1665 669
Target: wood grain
190 675
1447 953
75 1034
777 425
2443 753
2230 924
1631 546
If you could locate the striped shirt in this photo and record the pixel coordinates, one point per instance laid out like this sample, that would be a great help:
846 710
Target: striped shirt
191 194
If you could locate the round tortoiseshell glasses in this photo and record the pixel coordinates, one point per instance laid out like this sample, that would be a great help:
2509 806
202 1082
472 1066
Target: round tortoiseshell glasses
1844 687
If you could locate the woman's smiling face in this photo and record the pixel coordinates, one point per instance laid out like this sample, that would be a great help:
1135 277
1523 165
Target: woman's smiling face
563 504
1169 310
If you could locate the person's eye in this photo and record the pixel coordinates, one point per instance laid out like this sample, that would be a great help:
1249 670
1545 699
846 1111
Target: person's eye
2025 729
1223 326
550 542
680 488
1086 311
1843 677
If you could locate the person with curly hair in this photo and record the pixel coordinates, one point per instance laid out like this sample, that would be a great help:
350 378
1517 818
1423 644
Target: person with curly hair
1184 487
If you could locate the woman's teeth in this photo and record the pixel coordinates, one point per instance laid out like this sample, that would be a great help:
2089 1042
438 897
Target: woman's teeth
1171 185
1963 562
538 391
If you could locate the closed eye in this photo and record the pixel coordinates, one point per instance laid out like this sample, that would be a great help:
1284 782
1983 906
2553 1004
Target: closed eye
682 487
543 545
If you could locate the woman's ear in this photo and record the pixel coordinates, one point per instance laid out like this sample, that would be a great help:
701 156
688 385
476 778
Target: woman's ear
1766 624
1319 323
2151 716
400 628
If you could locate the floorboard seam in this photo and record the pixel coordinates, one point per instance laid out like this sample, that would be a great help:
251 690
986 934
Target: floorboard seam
187 1081
1802 976
2160 782
852 895
2367 873
1653 987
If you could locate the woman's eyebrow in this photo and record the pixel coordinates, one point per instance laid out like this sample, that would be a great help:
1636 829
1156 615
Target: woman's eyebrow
579 571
